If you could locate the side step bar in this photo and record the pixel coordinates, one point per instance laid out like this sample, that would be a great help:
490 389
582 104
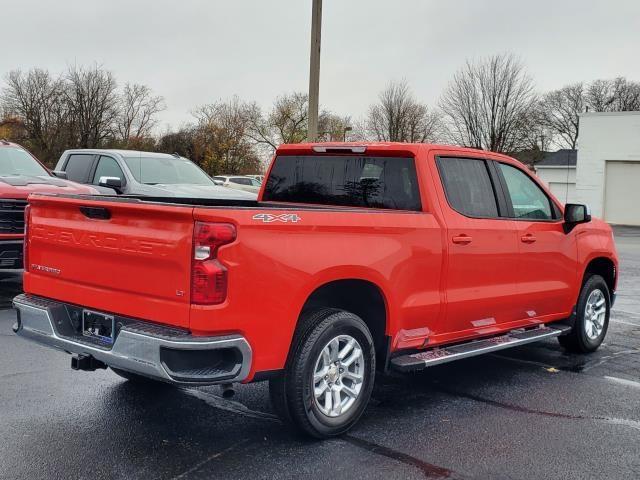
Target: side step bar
437 356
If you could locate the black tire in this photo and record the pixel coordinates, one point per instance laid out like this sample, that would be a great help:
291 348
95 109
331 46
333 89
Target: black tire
292 394
577 340
133 377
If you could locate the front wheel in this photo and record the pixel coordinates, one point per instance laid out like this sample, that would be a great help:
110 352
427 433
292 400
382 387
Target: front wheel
329 376
592 317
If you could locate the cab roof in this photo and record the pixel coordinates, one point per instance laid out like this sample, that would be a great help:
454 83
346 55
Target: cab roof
383 148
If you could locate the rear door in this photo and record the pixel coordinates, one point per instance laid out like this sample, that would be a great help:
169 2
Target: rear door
481 275
119 256
547 268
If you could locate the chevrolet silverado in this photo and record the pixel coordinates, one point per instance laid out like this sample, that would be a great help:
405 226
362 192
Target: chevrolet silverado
354 260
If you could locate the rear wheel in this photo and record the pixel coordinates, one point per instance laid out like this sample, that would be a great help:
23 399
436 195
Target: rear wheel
592 317
329 376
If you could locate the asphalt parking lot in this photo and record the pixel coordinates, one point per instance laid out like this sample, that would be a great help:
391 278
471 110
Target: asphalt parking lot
526 413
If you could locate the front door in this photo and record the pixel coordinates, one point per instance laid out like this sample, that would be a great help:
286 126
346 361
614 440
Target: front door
481 275
547 268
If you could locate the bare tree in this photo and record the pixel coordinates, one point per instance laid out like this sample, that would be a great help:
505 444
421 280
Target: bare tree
488 104
332 127
286 122
93 104
398 117
560 112
138 110
617 95
37 99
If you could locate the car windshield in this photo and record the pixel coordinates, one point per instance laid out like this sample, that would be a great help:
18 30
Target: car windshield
166 171
16 161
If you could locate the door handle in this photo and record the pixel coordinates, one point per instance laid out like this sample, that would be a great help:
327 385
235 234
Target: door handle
96 212
462 239
528 238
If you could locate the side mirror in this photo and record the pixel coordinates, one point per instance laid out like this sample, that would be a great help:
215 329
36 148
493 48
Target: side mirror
60 174
111 182
574 214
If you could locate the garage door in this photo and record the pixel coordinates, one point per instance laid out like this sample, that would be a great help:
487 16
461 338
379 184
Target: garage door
565 192
622 193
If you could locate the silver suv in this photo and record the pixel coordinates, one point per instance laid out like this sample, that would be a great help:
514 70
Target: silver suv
130 172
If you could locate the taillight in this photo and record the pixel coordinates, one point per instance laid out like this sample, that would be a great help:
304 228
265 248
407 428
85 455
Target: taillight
209 277
25 248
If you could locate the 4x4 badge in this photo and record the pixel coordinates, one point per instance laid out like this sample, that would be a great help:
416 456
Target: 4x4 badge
285 217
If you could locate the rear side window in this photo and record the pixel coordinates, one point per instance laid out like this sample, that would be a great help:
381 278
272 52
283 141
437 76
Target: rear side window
468 186
354 181
78 166
240 180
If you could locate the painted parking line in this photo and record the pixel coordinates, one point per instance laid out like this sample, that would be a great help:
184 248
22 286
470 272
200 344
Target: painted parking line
624 322
623 381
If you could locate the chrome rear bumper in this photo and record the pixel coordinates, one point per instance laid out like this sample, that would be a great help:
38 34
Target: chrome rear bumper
147 349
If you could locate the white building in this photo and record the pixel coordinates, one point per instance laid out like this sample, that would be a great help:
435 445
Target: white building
608 166
558 171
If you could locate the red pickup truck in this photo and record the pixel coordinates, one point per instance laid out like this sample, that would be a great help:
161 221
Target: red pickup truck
21 174
354 259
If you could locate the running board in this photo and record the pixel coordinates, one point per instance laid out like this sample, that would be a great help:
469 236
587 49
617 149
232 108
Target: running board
437 356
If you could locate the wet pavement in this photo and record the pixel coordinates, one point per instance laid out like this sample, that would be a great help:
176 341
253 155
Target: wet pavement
526 413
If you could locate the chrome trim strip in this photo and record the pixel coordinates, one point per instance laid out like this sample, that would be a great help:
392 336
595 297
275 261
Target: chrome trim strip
132 351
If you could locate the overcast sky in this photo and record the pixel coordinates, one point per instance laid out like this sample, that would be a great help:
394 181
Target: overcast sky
197 51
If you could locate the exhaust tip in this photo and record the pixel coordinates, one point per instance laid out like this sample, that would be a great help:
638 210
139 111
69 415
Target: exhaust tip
17 325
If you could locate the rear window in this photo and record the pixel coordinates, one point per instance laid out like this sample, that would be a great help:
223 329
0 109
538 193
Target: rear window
374 182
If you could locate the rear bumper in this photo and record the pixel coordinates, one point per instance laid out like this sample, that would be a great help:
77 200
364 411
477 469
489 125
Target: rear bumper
144 348
11 252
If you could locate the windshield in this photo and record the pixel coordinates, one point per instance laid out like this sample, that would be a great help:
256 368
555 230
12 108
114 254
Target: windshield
166 171
16 161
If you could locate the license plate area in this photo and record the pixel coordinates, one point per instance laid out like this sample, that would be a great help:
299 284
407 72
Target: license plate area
98 326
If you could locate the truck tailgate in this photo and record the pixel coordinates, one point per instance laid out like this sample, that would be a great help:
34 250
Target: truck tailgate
114 255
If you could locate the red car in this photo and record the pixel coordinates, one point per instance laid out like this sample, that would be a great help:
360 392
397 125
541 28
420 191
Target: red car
21 174
355 259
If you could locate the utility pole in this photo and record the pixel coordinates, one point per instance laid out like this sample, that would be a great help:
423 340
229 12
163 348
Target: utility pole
314 70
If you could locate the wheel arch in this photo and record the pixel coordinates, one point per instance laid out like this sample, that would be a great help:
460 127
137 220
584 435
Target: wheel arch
603 266
360 296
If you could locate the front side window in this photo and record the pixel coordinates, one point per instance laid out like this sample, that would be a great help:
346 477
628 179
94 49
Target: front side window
354 181
16 161
468 186
528 199
107 167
